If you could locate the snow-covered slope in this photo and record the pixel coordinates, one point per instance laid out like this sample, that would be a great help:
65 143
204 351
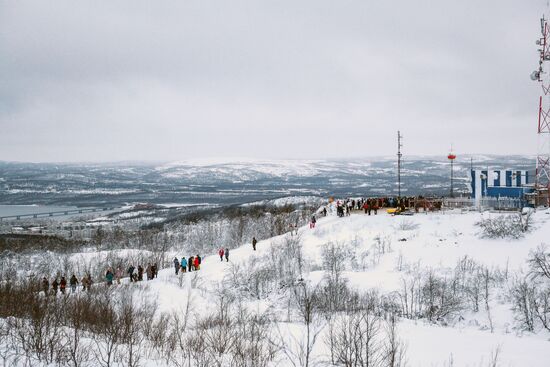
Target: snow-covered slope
424 241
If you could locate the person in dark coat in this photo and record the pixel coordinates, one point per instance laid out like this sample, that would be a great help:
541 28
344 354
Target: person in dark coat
55 285
149 271
140 273
177 265
313 221
86 282
73 282
226 252
45 285
254 242
131 270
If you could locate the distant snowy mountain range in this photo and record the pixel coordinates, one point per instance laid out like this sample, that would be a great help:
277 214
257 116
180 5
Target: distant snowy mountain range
233 181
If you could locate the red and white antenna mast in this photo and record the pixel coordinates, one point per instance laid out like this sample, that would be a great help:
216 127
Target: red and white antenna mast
542 179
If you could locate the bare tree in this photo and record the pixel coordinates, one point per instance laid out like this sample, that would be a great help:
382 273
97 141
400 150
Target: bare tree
357 340
542 306
132 319
179 352
107 331
487 280
394 348
299 349
495 357
78 350
219 328
539 262
254 345
523 296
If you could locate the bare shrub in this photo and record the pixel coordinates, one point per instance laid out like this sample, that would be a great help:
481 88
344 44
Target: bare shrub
407 225
254 344
505 226
428 295
362 338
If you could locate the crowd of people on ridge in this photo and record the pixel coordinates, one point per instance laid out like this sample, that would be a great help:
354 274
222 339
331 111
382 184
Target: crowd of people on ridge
371 205
193 263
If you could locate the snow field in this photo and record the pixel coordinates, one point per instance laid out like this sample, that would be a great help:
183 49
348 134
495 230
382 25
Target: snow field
427 241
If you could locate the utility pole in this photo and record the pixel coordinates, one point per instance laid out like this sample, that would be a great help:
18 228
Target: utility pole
399 155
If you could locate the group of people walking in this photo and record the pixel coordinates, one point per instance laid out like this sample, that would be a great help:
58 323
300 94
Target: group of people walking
191 264
224 252
134 274
60 285
111 276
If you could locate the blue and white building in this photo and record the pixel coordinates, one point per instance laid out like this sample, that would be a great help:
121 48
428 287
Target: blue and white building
500 184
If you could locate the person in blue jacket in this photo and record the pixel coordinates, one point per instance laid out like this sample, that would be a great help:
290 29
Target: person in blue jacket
183 265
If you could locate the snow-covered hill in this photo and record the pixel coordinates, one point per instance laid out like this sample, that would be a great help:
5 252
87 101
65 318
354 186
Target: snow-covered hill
382 252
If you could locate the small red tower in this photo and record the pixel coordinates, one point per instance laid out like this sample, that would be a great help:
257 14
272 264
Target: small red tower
451 157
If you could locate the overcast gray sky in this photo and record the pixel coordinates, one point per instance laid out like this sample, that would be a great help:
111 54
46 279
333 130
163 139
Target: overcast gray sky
171 80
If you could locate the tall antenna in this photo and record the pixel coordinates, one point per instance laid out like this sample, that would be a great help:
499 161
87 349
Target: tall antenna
451 157
542 173
399 155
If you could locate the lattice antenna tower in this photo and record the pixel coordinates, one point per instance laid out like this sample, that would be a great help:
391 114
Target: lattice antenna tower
399 162
542 76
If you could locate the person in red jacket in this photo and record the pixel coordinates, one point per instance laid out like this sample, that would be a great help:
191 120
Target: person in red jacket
63 285
197 264
221 252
